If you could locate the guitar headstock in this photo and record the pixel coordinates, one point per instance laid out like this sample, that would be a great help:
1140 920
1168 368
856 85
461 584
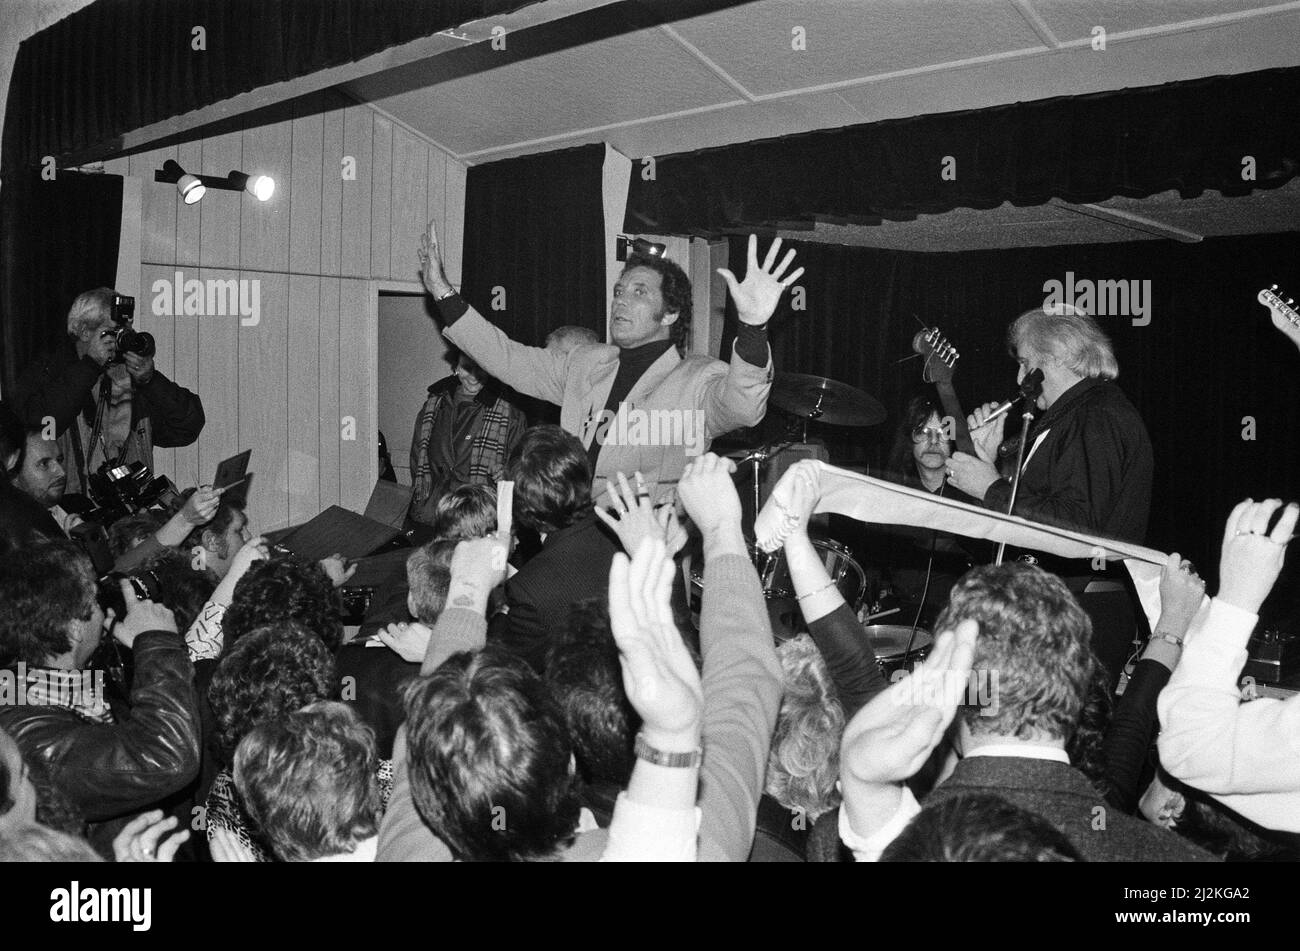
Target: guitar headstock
940 355
1285 316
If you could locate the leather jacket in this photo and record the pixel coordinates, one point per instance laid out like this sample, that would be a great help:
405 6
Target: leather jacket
111 771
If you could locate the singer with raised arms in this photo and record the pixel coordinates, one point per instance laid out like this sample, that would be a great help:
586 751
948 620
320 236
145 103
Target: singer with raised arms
691 399
1088 460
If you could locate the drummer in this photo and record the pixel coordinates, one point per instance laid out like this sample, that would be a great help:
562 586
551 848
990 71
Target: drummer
911 555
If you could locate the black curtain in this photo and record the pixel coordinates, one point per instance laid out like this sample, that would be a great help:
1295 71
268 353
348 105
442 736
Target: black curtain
119 65
535 242
57 239
1189 136
1209 358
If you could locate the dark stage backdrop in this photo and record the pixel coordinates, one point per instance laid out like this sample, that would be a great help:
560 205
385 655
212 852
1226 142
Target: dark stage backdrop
535 242
57 239
1208 359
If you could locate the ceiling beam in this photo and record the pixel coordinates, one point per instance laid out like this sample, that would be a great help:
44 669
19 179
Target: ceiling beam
1127 219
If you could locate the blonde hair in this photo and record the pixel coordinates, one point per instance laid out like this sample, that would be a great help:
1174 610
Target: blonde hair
1069 335
804 762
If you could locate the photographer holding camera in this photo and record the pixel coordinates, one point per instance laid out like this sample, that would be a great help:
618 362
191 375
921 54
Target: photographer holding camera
108 402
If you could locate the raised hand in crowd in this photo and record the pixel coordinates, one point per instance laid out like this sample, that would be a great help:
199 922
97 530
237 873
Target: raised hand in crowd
477 566
138 840
891 737
756 297
409 640
1252 556
337 568
659 674
709 497
664 687
633 518
431 269
141 616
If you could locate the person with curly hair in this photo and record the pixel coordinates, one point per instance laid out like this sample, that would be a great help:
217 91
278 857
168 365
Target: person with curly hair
284 589
308 781
273 671
803 765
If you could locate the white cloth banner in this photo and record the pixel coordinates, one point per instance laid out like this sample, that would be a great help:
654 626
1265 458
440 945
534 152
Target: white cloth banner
886 503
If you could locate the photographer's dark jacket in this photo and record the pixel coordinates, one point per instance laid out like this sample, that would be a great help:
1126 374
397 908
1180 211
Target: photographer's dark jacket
66 387
112 771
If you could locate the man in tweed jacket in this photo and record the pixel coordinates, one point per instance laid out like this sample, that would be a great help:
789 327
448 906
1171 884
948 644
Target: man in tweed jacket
638 405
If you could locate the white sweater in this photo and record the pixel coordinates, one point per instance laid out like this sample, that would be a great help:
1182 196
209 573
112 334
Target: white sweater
1246 755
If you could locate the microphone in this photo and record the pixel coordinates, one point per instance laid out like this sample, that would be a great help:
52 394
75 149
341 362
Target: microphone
1030 387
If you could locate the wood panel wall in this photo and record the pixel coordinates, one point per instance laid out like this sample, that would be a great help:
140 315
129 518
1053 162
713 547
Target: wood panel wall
295 386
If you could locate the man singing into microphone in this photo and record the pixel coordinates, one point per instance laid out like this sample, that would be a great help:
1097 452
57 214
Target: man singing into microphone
1088 460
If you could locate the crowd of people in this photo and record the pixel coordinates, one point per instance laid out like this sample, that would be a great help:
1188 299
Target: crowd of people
203 701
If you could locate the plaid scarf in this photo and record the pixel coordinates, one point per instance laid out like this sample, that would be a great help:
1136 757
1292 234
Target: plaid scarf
81 691
487 453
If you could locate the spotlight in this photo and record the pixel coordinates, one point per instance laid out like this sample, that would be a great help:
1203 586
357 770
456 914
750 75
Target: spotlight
628 244
191 188
260 187
194 187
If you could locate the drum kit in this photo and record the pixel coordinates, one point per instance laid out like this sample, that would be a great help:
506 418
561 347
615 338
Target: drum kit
805 399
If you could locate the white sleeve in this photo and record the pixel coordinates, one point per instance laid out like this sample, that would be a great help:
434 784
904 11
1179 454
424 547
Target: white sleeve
641 833
204 637
1246 755
868 848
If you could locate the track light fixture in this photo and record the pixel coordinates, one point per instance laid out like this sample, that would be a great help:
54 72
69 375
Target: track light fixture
194 187
630 245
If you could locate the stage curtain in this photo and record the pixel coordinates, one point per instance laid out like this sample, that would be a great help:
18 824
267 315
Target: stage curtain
119 65
57 239
1216 383
1189 136
535 242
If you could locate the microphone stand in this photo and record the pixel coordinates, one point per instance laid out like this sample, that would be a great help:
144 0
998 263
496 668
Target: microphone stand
1029 391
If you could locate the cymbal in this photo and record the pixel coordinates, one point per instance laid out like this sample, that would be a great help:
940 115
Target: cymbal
823 400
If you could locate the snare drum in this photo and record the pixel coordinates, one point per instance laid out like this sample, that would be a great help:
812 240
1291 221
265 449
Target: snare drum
889 644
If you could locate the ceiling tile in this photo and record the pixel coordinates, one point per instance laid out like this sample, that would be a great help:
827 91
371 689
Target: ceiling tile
850 39
1075 19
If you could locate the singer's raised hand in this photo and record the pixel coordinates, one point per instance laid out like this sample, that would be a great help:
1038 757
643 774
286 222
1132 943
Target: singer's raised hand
987 439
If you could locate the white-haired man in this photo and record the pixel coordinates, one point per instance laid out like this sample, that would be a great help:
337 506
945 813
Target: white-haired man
104 405
1088 461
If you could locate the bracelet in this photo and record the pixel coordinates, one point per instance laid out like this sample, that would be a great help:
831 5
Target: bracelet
451 293
812 594
645 751
1168 638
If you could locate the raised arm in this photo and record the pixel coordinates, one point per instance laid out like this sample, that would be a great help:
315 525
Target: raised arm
1243 754
533 371
738 397
1134 723
476 567
742 675
831 622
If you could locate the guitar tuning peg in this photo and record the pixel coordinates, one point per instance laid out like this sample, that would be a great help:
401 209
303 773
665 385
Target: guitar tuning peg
1272 287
